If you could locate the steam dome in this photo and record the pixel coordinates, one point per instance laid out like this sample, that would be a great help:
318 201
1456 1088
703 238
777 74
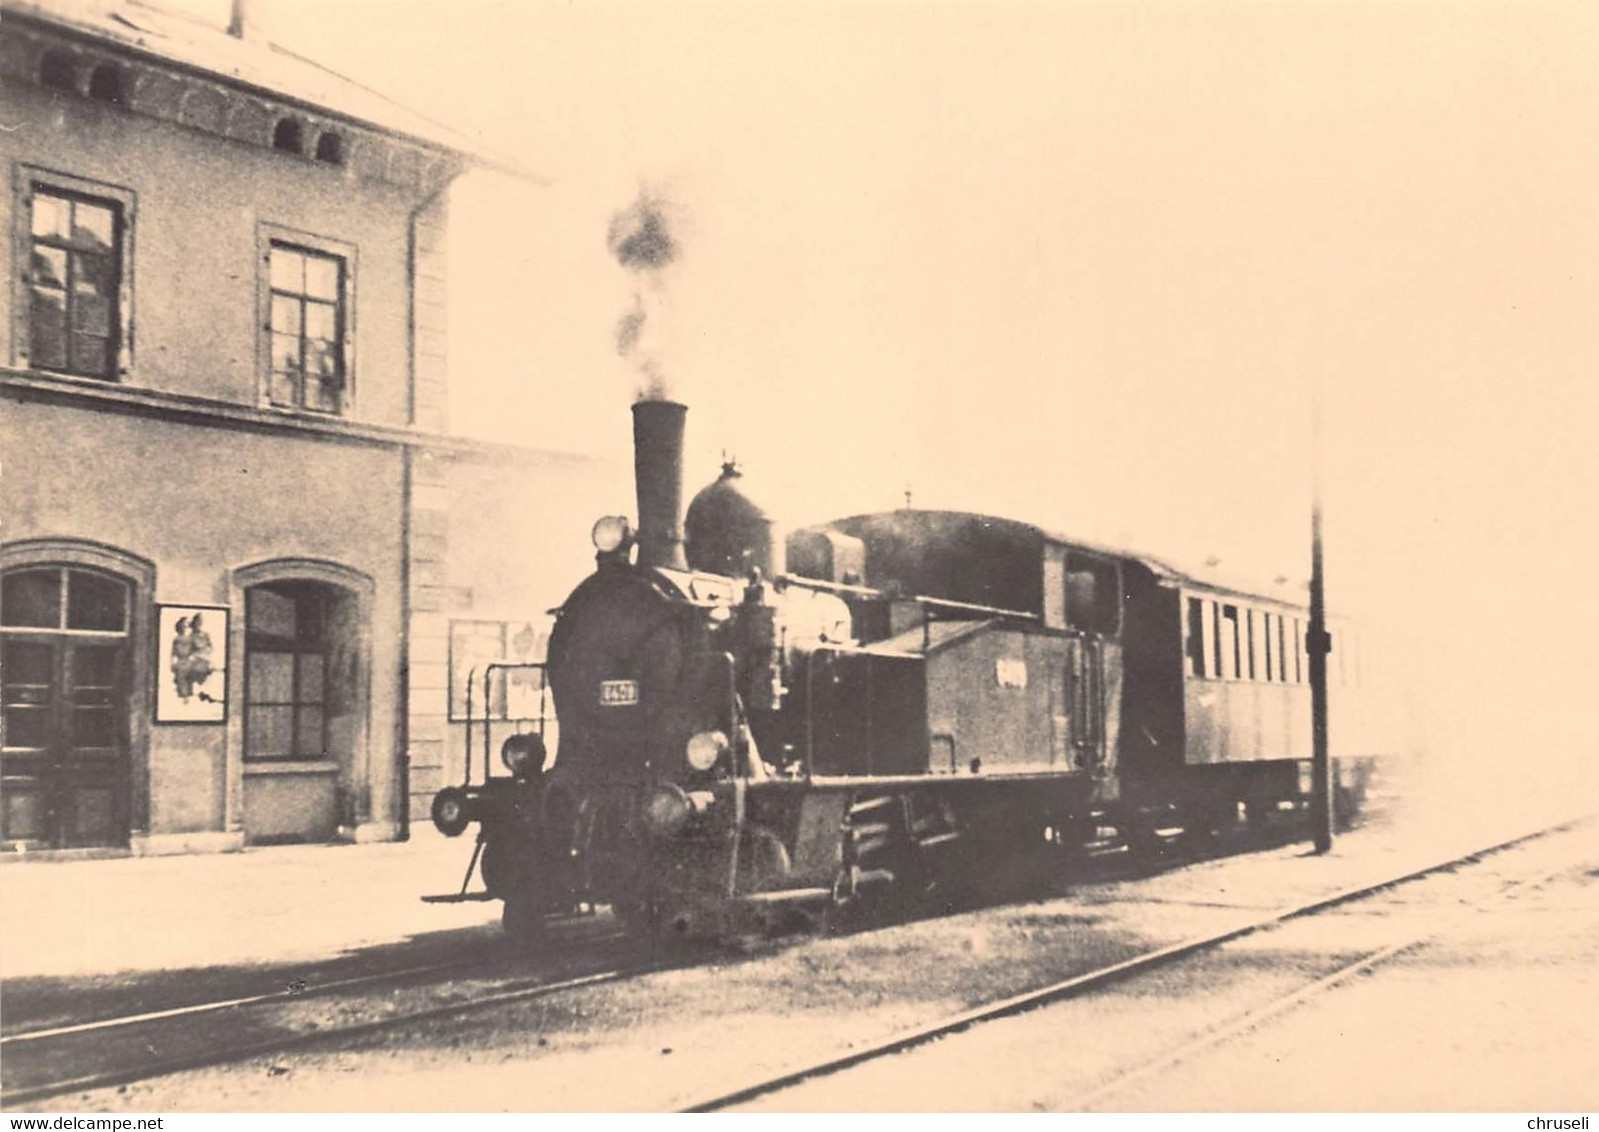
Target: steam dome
729 533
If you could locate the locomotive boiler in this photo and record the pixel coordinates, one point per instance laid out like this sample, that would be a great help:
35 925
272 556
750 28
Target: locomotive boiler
883 708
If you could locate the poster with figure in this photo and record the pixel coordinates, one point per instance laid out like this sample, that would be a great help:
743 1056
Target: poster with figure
192 664
514 693
524 687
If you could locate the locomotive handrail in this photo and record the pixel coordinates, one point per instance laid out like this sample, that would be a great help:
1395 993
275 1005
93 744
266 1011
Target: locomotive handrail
919 599
487 672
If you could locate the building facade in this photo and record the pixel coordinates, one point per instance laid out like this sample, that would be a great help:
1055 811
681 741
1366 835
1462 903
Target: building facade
231 554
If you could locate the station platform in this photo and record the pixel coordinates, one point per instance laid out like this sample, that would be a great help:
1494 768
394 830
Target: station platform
310 903
270 904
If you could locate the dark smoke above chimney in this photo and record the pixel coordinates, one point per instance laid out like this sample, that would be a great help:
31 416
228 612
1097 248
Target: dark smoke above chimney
658 473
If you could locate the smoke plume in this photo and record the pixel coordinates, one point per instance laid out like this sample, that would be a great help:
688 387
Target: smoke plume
641 239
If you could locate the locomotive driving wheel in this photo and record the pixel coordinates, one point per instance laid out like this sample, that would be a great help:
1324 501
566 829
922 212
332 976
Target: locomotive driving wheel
887 868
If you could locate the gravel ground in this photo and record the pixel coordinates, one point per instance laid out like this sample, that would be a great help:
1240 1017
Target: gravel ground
1500 1011
667 1039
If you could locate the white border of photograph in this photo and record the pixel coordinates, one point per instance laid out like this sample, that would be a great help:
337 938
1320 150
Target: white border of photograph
191 664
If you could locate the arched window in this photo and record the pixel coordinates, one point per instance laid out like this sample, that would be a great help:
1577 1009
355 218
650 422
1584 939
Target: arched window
56 71
287 639
109 83
330 148
288 136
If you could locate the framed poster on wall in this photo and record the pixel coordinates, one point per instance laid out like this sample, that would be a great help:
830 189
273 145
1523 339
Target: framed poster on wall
191 664
513 693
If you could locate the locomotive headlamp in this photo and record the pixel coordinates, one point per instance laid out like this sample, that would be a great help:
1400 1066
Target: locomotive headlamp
666 810
523 755
705 748
611 534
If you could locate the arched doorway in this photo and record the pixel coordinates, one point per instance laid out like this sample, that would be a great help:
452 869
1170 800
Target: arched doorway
65 679
302 739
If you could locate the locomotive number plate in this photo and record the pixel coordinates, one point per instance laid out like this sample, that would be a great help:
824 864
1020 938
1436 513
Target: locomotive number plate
618 693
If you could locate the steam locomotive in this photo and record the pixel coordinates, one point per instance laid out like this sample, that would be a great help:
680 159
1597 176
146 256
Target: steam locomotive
881 708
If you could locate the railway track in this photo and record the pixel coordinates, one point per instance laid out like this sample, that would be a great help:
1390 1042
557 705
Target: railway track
127 1048
1087 983
143 1046
1252 1018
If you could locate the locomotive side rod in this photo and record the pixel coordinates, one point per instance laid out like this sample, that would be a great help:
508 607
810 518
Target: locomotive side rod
1095 980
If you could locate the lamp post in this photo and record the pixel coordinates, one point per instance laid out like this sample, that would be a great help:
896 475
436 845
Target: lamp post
1318 643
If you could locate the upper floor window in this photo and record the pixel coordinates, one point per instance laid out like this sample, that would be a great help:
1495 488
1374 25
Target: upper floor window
330 148
109 83
287 136
309 291
74 321
57 71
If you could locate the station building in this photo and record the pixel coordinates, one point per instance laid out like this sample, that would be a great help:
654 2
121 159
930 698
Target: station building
240 547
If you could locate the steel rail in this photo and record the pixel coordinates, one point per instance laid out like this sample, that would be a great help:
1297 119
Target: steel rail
1097 979
12 1098
1256 1016
288 994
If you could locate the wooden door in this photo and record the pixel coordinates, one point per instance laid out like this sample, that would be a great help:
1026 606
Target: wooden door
64 697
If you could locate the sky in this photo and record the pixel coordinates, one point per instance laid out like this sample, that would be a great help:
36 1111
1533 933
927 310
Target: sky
1084 263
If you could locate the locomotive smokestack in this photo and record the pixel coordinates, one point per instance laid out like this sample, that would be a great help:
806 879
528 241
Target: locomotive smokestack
658 470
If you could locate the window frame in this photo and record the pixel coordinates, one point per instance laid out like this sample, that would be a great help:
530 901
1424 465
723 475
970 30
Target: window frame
65 572
295 647
269 236
1197 663
1230 637
27 180
1100 567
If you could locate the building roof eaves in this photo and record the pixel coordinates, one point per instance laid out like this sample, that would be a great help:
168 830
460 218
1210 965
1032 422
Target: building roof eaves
253 64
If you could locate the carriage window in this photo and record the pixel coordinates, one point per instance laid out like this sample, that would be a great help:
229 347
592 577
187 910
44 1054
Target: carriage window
1093 594
1252 641
1196 637
1282 648
1214 642
1299 647
1232 657
1266 620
